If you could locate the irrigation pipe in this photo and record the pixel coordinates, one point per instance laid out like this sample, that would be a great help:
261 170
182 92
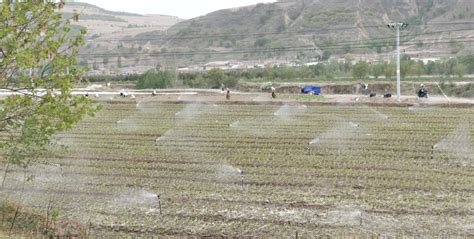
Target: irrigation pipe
437 83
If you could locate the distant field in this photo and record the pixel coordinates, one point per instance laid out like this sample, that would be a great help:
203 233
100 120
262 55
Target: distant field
261 170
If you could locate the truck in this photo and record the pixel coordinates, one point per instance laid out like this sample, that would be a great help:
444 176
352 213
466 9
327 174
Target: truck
311 89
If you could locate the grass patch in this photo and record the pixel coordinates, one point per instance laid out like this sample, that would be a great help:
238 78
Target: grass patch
17 221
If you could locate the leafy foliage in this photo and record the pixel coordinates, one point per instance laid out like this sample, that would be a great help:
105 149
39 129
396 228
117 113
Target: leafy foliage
360 70
377 70
37 66
154 80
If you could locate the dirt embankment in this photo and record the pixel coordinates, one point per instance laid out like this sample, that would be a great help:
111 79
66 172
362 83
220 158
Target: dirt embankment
407 88
20 222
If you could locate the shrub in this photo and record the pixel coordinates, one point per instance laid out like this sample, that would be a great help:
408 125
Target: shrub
154 80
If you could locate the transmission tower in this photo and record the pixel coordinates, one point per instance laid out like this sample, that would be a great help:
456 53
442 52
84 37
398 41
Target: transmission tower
398 27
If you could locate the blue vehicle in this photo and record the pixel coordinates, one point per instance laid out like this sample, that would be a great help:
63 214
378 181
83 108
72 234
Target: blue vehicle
312 90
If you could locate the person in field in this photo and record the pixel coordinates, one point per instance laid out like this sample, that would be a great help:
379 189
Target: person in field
227 95
366 89
422 92
273 93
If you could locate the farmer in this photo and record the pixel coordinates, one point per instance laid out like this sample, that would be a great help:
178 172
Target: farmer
273 93
227 96
366 89
422 92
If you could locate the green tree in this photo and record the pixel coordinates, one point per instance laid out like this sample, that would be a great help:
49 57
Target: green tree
449 65
261 42
389 70
360 70
468 61
431 68
215 77
326 55
267 74
377 70
348 63
37 62
318 70
154 80
405 65
418 69
459 70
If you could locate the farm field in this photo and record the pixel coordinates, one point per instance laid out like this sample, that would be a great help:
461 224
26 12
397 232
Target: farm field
290 170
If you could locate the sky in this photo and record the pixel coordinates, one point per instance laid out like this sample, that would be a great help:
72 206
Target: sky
185 9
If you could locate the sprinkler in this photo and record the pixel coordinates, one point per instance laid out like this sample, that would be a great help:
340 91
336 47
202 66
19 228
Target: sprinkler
433 147
159 202
241 178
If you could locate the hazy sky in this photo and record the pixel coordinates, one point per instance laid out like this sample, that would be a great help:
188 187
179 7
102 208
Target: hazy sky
182 8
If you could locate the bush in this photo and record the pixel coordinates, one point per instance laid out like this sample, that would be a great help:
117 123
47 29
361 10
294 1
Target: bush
266 86
360 70
231 81
215 78
154 80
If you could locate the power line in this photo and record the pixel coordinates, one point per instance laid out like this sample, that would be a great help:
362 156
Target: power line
274 50
338 45
333 46
305 31
249 51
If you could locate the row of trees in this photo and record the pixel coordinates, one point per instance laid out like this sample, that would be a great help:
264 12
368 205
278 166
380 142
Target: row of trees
160 79
408 67
215 78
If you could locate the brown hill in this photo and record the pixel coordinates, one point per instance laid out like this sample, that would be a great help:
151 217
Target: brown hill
306 30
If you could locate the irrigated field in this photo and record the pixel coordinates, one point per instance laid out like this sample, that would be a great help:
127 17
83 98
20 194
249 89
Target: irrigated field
261 170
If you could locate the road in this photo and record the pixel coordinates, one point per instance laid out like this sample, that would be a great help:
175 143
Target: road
200 95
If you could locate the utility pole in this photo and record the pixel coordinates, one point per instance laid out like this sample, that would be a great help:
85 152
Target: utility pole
397 27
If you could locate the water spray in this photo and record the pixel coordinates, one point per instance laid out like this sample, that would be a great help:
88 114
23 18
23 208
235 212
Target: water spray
234 124
353 124
158 139
314 141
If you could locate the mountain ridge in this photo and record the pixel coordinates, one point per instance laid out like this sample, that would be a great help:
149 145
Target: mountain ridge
326 29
